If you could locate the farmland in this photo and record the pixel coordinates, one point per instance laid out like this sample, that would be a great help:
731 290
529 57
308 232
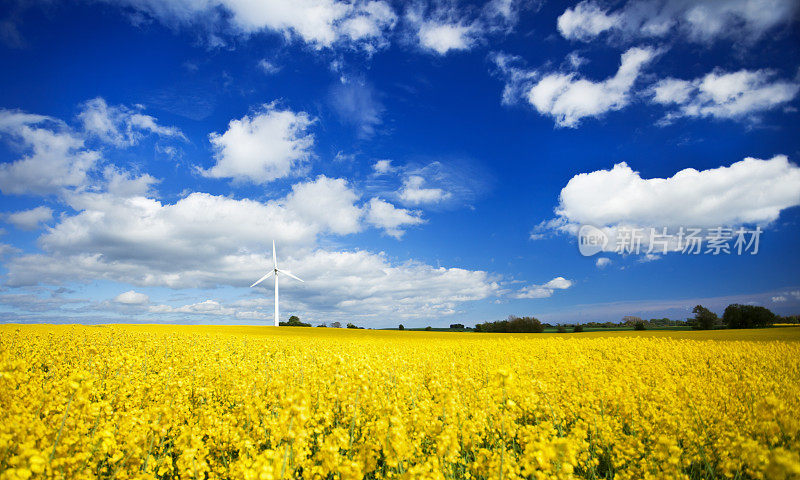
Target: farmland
143 401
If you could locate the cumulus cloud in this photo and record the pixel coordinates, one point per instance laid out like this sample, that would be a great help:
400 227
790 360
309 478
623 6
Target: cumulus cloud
414 192
119 125
442 30
737 95
340 214
318 23
444 37
544 291
602 262
123 183
382 167
205 241
371 286
779 299
750 191
383 214
30 219
585 21
272 143
55 156
568 98
209 308
705 22
132 297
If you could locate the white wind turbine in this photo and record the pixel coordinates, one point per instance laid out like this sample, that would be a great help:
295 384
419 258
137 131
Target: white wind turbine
275 271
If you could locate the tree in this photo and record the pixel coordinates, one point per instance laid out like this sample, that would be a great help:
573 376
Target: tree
578 328
793 319
323 325
456 326
630 320
561 329
294 321
747 316
512 325
638 325
401 328
350 325
428 328
336 325
704 319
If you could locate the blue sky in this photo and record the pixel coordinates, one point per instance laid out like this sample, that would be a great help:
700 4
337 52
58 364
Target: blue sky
419 163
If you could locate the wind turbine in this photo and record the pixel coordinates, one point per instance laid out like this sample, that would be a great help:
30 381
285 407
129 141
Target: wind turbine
275 271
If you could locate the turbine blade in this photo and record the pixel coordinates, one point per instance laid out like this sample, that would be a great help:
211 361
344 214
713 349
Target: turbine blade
263 278
274 257
287 273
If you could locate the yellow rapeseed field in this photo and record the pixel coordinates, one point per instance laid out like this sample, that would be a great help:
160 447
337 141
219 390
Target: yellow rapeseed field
264 403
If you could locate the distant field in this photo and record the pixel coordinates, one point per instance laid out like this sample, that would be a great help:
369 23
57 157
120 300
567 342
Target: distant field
155 401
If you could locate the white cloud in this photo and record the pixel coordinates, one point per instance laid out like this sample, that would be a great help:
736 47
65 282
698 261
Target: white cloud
518 80
575 60
705 22
209 308
122 183
585 21
441 27
357 104
750 191
132 297
384 215
442 30
356 285
544 291
779 299
603 262
328 203
206 240
270 144
368 27
568 98
119 125
268 67
30 219
382 167
369 285
735 95
504 14
318 23
444 37
671 90
55 157
414 193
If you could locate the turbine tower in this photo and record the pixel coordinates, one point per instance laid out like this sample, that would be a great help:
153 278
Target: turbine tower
275 271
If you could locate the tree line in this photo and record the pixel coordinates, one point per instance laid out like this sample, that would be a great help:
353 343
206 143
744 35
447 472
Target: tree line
734 316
